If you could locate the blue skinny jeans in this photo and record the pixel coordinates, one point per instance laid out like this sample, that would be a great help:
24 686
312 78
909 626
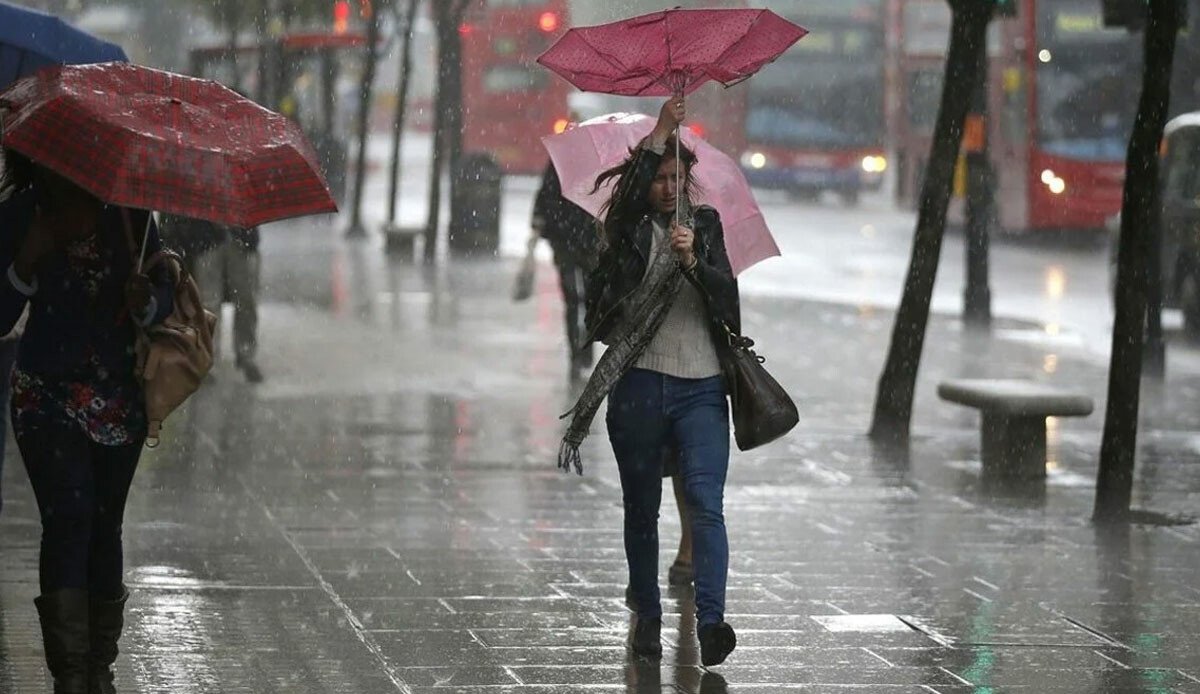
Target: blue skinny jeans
647 413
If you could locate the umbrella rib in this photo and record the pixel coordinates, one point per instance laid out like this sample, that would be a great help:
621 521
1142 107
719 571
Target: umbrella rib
667 34
607 58
735 44
669 80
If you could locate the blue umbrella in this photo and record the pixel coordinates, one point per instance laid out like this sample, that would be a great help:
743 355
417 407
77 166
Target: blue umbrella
30 40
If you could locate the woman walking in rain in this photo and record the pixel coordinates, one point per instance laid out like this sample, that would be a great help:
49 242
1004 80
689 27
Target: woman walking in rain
660 299
77 408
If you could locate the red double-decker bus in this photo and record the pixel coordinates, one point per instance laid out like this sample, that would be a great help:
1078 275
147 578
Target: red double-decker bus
509 101
1063 92
814 119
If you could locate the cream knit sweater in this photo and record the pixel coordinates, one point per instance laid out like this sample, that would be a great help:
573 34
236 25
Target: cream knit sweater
683 346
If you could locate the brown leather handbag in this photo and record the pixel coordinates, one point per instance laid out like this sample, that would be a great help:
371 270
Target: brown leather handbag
762 409
173 356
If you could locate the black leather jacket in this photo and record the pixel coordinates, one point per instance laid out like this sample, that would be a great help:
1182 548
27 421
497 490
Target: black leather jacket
623 263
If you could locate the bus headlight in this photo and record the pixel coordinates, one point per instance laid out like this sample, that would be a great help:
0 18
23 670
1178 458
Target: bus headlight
754 160
874 164
1054 182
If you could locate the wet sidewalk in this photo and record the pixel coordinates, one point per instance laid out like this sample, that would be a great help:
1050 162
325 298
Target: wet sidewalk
384 515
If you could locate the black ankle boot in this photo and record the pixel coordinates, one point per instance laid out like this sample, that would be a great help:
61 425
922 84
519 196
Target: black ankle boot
717 641
107 621
646 639
64 618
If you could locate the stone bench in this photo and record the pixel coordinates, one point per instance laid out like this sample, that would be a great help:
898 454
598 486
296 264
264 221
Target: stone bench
401 241
1013 441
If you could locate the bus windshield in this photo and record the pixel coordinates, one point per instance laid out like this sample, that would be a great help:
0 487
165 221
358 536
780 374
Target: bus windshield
1083 75
827 92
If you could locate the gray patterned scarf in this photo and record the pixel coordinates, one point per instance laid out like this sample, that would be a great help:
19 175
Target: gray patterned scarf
648 307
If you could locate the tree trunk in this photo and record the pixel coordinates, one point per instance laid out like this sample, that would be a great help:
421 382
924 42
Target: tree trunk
454 147
1114 483
267 52
897 383
366 92
410 16
433 215
453 79
447 118
233 17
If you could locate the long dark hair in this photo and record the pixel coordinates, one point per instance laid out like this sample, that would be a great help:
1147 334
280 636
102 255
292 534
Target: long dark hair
16 172
623 178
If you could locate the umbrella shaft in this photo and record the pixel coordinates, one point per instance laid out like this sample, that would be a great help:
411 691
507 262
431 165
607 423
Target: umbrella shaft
145 241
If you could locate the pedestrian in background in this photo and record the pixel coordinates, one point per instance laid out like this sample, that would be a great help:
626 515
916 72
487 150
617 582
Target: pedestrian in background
226 264
659 299
77 407
573 236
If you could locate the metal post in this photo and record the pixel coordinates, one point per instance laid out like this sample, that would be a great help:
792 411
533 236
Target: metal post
356 230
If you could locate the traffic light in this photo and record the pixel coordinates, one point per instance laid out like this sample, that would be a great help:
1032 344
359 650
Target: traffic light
548 21
1006 8
341 16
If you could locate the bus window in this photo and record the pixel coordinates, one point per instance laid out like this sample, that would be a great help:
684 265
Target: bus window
514 78
924 94
1083 75
826 94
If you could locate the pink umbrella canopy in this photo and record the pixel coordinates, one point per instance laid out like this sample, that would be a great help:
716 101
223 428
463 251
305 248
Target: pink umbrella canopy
670 52
580 153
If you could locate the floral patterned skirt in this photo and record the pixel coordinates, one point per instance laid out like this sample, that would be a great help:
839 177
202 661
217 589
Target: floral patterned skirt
110 411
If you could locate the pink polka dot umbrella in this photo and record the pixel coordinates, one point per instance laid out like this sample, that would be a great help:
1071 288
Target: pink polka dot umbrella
671 52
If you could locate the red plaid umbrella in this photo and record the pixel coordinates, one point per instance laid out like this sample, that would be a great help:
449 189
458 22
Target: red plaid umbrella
671 52
155 140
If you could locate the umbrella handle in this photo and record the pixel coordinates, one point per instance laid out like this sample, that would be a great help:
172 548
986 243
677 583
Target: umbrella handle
679 188
678 183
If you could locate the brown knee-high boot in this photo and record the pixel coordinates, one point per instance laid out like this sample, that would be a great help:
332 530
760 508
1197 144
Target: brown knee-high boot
64 618
107 621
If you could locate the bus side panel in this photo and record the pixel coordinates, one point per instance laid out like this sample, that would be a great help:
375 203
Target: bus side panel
509 101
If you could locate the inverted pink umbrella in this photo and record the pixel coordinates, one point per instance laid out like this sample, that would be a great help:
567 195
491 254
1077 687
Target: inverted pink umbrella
671 53
580 153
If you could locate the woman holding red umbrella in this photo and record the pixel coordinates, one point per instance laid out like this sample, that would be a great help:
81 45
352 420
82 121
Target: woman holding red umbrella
77 407
130 138
660 299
